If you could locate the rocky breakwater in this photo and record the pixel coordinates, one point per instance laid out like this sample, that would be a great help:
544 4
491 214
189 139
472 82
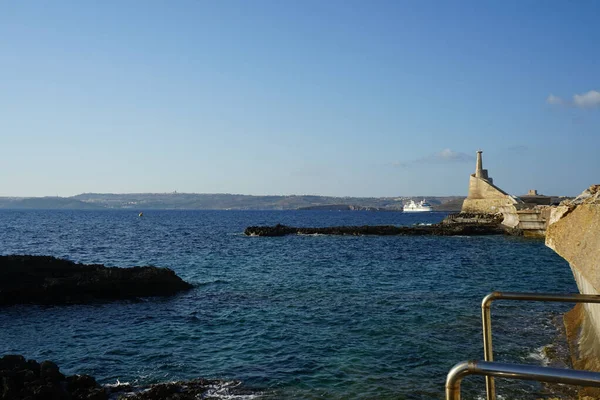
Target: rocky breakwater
574 233
49 280
488 225
22 379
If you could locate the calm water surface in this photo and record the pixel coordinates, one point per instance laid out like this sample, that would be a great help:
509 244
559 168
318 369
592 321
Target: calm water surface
296 317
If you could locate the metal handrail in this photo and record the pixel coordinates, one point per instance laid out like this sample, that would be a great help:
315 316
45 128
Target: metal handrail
486 318
516 371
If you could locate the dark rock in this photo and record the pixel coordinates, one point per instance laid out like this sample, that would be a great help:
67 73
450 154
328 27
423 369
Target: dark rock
28 380
21 382
473 218
26 376
49 371
8 388
77 382
446 229
33 366
12 362
49 280
90 394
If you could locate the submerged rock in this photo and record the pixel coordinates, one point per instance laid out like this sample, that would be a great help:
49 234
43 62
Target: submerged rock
50 280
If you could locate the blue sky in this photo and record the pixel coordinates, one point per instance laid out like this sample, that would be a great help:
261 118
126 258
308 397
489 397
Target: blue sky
356 98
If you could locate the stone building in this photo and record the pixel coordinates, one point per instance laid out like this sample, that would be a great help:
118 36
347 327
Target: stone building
484 196
536 199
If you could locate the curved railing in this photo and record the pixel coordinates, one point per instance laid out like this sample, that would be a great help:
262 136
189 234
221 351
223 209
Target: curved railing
486 318
516 371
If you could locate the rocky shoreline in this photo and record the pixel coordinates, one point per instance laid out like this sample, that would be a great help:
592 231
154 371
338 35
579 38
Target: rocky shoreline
22 379
453 225
48 280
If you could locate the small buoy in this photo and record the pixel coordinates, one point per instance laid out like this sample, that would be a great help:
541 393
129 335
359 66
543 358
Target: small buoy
141 214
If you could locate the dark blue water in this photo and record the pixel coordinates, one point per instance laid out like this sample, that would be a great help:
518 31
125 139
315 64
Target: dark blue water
295 317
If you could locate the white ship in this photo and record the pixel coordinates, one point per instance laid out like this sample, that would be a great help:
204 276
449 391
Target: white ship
417 207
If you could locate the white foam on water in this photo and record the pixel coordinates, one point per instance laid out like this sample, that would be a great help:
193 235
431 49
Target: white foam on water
539 355
498 397
117 384
222 391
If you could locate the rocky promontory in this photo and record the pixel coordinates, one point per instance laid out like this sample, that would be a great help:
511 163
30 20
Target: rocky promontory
487 226
48 280
28 379
22 379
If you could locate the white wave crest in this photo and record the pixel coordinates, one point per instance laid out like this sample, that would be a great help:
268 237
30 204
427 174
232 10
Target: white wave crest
223 391
539 355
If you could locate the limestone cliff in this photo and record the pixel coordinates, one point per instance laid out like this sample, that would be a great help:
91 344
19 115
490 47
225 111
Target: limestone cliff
574 233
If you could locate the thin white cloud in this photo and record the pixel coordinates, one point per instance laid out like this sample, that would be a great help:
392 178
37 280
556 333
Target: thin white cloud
552 99
446 156
587 100
399 164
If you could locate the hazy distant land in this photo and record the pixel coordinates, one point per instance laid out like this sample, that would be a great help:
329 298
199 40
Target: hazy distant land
194 201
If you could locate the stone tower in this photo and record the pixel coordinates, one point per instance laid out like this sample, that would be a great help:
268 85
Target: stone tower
479 171
484 196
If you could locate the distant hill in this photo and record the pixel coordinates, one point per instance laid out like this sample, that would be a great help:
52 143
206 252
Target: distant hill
47 203
345 207
451 205
195 201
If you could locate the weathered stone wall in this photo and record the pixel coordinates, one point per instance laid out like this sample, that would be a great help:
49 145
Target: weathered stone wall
484 197
483 189
483 206
532 221
574 233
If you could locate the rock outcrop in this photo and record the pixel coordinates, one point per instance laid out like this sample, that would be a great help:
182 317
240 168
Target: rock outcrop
474 218
28 379
49 280
444 229
574 233
22 379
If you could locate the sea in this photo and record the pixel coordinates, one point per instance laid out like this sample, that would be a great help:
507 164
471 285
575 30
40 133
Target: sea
294 317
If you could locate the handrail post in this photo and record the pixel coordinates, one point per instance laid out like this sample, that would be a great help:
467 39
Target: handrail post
488 353
486 318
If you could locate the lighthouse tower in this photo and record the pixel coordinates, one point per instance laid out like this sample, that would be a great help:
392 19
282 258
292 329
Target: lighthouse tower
484 196
479 171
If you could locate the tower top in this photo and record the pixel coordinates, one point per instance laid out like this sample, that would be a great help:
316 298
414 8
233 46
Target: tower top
479 171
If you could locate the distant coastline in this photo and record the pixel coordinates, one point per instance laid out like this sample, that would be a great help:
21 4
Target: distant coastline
196 201
345 207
